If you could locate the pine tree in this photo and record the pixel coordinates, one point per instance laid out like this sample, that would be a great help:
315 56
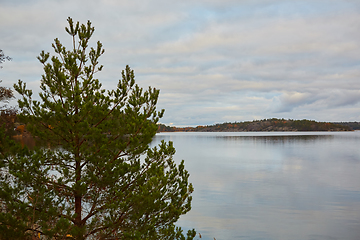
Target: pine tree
92 174
7 113
3 57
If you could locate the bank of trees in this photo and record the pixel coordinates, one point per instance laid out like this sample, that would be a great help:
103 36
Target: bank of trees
92 174
351 125
273 124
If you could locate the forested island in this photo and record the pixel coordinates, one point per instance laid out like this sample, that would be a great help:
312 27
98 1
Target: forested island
266 125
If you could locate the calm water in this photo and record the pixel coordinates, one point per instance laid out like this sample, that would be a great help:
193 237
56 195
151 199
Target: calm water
297 186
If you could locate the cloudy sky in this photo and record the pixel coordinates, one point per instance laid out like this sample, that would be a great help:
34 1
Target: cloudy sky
214 61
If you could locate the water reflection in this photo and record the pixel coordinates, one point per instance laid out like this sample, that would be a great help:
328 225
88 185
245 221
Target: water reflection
272 185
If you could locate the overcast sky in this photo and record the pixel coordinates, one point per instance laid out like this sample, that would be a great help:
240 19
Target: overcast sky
214 61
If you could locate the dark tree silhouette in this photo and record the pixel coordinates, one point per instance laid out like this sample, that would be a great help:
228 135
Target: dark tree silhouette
98 178
3 57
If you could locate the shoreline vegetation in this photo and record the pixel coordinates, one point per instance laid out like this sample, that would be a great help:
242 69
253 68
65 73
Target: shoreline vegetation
267 125
18 130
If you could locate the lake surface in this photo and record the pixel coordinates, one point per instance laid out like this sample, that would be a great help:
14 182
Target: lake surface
272 185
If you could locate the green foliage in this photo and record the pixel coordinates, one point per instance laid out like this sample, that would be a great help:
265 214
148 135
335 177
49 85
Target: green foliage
92 174
351 125
265 125
5 93
7 114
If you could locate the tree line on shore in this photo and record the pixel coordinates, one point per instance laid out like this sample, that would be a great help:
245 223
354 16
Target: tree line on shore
266 125
99 179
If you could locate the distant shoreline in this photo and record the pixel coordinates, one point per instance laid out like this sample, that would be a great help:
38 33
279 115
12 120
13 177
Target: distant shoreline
268 125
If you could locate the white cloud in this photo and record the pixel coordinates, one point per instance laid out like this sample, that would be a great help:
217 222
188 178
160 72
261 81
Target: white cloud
213 61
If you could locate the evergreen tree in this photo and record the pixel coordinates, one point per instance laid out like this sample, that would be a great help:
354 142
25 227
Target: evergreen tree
92 174
7 114
3 57
5 93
